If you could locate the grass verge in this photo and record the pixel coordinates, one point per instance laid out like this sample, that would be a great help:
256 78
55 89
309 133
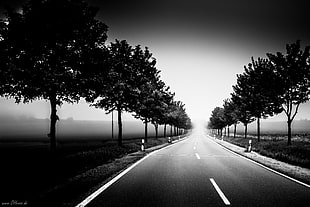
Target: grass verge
297 154
38 178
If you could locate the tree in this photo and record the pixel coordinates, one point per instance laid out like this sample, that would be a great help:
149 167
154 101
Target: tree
159 106
242 98
293 72
154 106
230 114
114 95
171 115
166 116
184 122
47 44
217 120
174 114
5 66
147 85
263 87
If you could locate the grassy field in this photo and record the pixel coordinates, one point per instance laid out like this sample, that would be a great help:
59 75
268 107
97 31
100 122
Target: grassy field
31 174
275 146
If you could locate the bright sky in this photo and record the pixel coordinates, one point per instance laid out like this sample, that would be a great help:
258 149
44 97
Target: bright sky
199 45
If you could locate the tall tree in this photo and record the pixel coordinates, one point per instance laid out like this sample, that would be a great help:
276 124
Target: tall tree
293 70
161 101
46 45
119 89
149 78
242 97
263 87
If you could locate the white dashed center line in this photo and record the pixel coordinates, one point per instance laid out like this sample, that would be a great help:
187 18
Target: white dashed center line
197 155
221 194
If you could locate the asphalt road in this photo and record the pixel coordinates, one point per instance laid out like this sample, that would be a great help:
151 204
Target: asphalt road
199 172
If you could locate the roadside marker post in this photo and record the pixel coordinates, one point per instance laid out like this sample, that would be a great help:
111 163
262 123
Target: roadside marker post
169 139
250 146
142 145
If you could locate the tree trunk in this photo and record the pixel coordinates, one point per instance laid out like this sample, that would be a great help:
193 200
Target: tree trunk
235 130
120 127
54 118
156 130
245 130
228 131
289 131
112 126
165 130
258 129
145 129
171 130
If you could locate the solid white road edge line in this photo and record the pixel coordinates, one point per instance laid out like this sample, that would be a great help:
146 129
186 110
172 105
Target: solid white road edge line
108 184
218 190
197 155
263 166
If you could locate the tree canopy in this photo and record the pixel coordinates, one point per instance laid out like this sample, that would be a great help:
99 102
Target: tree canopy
55 50
293 72
45 47
132 84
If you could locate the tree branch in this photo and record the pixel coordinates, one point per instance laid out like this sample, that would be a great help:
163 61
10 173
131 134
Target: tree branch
285 110
296 110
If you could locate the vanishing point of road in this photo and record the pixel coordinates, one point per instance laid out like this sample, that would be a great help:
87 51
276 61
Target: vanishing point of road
199 172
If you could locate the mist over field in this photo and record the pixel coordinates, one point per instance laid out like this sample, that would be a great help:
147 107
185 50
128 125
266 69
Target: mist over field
32 129
23 128
276 127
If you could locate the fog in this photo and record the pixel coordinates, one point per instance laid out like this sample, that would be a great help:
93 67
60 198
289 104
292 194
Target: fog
25 128
31 129
276 127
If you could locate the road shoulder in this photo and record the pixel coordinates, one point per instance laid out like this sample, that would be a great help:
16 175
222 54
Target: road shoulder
296 172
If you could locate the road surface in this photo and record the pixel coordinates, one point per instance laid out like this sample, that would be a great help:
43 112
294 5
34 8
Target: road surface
199 172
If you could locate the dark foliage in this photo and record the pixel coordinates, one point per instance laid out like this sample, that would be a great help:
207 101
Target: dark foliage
46 50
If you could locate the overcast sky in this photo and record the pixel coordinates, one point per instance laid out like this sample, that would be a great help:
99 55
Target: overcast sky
200 45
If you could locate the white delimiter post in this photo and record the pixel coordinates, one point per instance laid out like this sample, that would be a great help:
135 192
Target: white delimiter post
142 145
250 145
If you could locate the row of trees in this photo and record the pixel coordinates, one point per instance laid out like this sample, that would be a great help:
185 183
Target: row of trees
279 83
55 50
